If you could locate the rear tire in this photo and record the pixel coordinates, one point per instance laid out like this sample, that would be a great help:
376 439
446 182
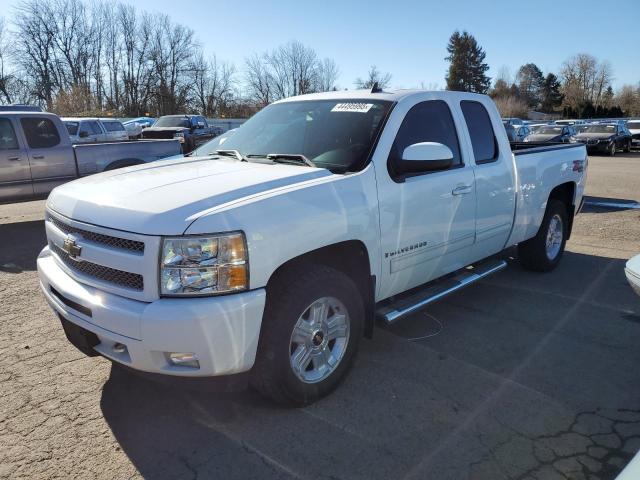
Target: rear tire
299 358
543 252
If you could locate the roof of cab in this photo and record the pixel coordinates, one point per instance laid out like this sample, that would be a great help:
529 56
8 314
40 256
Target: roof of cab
389 95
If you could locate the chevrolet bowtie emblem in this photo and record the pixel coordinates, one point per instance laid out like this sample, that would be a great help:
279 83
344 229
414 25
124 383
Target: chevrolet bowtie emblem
71 247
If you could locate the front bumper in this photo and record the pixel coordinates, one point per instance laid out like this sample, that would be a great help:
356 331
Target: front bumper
633 278
599 147
222 331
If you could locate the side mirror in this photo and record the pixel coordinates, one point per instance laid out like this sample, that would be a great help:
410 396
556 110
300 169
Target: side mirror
426 157
83 134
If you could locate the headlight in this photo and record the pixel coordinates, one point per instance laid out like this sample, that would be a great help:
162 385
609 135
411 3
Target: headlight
204 265
179 136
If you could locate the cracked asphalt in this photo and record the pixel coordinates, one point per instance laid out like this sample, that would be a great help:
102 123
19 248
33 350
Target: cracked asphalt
522 376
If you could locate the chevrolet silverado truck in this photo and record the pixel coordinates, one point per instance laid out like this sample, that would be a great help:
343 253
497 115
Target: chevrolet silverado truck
190 130
36 155
274 255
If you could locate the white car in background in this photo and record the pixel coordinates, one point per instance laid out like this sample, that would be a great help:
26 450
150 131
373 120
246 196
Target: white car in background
632 271
115 131
94 130
85 130
634 128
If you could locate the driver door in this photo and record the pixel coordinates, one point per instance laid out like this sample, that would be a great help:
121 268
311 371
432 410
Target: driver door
427 219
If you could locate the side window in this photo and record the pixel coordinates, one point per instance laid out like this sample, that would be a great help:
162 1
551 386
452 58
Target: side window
8 140
97 130
84 127
429 121
483 138
40 132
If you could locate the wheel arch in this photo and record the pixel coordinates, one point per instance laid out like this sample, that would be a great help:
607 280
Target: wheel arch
566 193
349 257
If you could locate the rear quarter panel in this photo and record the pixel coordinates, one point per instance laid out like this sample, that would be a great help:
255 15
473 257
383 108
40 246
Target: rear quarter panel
538 173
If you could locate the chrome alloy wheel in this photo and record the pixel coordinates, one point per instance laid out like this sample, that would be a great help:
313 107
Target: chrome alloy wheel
319 339
554 237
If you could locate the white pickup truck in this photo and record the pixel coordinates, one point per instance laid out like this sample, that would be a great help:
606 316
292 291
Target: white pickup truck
274 256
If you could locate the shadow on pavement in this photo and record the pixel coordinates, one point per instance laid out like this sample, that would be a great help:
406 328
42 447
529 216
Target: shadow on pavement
20 244
533 375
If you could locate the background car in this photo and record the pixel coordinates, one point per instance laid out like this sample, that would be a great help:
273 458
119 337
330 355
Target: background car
190 130
85 130
133 128
632 271
570 122
634 129
114 130
552 133
605 138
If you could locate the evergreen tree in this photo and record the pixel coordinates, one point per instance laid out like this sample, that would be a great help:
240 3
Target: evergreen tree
467 69
530 81
550 95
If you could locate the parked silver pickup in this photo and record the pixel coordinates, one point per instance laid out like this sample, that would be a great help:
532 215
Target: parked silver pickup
36 155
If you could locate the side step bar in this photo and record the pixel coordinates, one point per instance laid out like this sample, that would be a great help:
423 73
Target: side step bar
413 302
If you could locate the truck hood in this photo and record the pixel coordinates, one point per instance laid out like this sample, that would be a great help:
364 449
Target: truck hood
166 129
165 197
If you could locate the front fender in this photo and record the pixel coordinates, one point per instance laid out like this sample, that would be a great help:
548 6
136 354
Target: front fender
284 223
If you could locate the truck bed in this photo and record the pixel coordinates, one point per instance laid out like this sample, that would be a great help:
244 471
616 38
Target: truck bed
95 157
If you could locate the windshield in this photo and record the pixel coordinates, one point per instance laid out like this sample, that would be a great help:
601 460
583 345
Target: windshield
72 127
212 145
333 134
633 125
543 130
581 128
600 129
173 122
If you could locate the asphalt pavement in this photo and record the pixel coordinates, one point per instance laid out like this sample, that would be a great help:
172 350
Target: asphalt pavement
521 376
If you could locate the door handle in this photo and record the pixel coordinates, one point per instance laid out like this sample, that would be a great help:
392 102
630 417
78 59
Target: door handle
461 190
38 157
14 159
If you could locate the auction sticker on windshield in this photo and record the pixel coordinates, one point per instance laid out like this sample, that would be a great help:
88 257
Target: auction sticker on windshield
352 107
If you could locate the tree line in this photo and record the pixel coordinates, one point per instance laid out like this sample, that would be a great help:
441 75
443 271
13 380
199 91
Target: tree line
582 89
79 58
74 57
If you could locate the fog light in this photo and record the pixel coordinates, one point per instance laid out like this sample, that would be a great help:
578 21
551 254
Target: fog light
119 348
184 359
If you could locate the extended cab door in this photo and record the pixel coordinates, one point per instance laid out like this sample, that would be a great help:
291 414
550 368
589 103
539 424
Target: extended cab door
495 179
15 177
51 156
201 131
427 219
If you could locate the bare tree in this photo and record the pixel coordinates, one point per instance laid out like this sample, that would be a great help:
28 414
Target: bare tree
374 76
585 80
327 75
213 84
258 80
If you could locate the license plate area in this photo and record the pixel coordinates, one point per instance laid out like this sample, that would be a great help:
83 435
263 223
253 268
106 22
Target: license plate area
82 339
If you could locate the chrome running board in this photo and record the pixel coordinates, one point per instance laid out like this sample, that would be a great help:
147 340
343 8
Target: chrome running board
408 304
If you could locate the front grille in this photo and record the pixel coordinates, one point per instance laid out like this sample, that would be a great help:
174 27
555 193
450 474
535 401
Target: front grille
115 242
157 134
120 278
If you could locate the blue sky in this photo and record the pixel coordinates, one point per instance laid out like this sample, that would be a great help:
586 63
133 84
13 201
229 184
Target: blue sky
408 38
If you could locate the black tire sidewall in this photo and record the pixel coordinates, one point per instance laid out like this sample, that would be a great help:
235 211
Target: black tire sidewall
285 303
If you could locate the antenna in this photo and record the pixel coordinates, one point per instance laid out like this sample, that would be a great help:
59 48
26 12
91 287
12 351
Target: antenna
376 88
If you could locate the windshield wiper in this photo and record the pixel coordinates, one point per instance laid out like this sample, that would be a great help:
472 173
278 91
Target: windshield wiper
295 158
231 153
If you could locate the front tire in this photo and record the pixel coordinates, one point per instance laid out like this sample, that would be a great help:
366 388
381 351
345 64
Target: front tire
612 149
627 148
313 322
543 252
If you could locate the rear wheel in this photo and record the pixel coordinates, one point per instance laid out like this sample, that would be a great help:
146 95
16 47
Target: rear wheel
312 325
543 252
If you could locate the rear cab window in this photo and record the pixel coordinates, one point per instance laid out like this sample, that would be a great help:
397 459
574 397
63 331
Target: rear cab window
40 132
483 138
8 139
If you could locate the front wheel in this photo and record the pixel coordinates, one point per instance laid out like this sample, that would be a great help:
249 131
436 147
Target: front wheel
542 253
312 325
612 149
627 148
